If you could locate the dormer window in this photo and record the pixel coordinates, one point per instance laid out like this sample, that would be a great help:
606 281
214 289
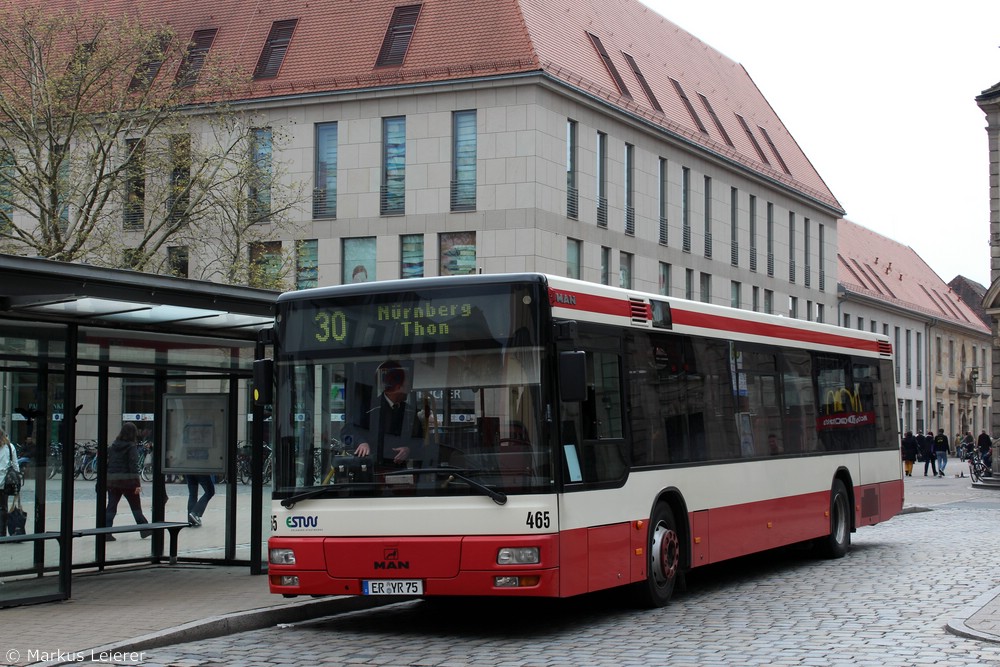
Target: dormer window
274 49
397 36
194 57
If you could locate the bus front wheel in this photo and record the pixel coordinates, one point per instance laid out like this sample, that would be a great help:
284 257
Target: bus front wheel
663 546
835 544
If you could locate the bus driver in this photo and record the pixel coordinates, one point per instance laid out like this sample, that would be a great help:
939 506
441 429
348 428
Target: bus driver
390 430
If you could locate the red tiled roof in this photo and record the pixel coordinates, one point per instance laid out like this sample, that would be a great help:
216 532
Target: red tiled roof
335 46
875 266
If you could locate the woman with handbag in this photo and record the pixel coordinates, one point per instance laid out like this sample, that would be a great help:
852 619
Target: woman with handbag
9 478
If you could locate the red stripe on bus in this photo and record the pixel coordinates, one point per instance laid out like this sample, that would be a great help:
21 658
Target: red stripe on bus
620 308
723 323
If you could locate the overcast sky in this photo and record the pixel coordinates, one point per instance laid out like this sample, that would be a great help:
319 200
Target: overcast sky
880 94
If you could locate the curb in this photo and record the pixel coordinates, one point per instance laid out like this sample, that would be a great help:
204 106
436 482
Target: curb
227 624
959 626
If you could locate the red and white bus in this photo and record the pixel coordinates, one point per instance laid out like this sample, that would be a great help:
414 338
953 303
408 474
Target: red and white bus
561 437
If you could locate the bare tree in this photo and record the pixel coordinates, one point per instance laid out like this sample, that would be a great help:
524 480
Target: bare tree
108 156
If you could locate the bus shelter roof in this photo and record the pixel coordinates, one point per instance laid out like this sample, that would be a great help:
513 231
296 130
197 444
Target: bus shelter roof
39 289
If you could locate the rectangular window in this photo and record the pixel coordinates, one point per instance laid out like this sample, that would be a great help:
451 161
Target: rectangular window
847 321
630 189
306 264
602 180
820 313
806 251
266 264
572 190
463 163
769 302
179 197
686 209
920 360
909 357
793 307
734 221
177 261
791 247
689 284
951 358
605 265
664 279
708 217
706 287
770 239
820 240
898 349
809 310
6 188
325 171
457 251
937 354
135 184
625 270
735 294
662 196
755 299
411 256
861 324
262 171
753 232
393 195
358 265
573 250
194 57
874 326
274 49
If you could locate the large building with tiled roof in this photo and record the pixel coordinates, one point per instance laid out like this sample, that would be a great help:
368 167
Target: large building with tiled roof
943 356
596 140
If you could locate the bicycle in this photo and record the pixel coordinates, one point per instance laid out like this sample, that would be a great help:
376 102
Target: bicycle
243 464
977 467
55 459
146 460
85 460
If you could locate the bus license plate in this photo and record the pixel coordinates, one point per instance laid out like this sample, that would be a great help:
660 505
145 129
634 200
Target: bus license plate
392 587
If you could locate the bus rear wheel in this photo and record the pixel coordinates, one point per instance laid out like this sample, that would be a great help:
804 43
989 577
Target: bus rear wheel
836 544
663 547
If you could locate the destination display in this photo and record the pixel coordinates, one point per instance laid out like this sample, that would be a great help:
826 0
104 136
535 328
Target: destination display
392 320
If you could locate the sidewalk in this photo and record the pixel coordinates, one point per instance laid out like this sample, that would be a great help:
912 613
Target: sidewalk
131 609
137 608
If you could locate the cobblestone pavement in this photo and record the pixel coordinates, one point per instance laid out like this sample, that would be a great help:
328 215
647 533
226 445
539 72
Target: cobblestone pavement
886 604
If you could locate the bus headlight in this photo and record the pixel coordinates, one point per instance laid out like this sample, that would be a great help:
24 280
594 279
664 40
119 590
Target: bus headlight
518 556
281 557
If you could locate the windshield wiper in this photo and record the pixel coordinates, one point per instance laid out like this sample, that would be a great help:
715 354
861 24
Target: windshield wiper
499 497
289 502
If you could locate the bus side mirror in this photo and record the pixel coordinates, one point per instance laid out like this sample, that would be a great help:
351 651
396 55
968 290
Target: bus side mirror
263 381
573 376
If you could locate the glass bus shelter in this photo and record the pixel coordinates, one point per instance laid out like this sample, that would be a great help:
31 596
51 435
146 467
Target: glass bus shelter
83 350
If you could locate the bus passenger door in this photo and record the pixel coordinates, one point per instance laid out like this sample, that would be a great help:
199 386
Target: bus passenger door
592 430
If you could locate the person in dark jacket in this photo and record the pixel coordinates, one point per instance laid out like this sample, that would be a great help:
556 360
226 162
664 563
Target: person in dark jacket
985 444
909 453
941 448
123 477
926 449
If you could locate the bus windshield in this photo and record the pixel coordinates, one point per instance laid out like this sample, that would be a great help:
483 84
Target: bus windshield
422 392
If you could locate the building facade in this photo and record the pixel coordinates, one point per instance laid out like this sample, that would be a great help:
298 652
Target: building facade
943 349
597 141
989 102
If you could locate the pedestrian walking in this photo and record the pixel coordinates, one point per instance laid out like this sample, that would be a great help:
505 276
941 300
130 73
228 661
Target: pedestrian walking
123 478
196 505
909 449
926 449
941 446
